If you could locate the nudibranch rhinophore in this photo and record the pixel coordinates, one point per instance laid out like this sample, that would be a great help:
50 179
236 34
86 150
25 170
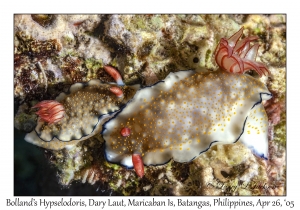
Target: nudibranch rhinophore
85 109
185 114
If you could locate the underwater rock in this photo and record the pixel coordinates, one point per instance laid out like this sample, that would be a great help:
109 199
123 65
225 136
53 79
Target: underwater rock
77 161
31 74
274 111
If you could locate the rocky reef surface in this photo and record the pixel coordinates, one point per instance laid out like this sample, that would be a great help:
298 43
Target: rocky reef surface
52 52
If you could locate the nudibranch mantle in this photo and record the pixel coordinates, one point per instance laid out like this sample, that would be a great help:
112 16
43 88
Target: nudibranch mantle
185 114
87 107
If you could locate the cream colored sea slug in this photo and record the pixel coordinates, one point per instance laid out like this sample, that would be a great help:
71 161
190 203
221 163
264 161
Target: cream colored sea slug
86 107
185 114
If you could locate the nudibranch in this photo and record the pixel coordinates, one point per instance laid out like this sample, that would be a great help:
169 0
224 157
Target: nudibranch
77 115
188 112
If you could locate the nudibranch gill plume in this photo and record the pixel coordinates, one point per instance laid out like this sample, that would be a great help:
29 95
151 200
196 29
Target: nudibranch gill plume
188 112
